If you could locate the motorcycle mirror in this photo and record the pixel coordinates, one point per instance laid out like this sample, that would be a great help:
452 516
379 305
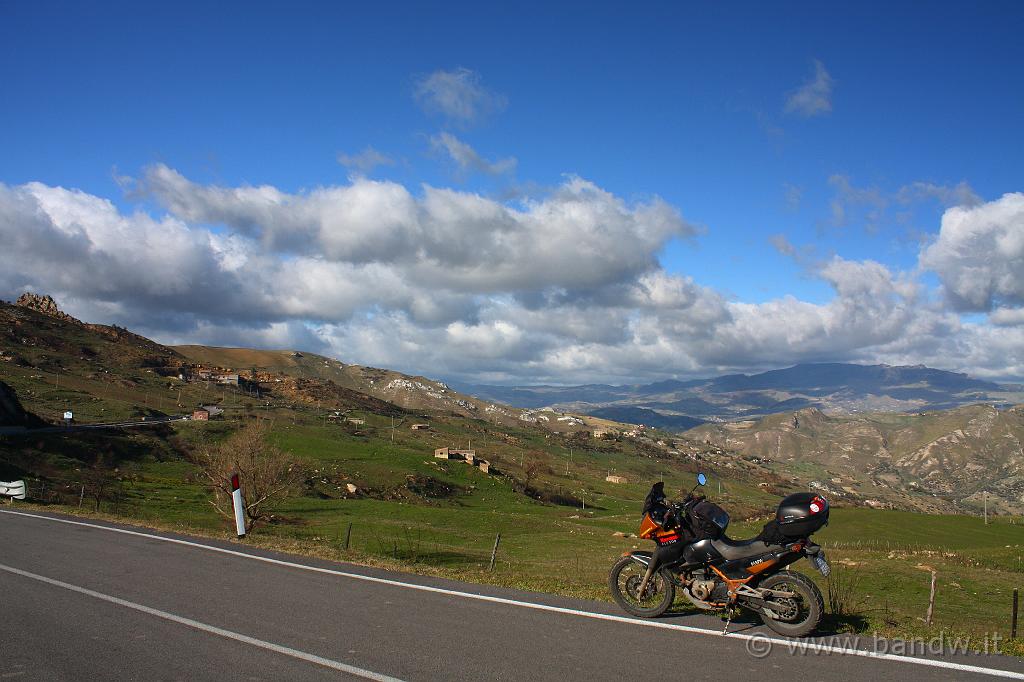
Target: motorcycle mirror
702 479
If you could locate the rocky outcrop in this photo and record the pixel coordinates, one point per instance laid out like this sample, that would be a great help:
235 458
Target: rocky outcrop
45 305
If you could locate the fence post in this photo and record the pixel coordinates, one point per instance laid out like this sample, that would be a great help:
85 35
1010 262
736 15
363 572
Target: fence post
348 535
494 552
1013 623
931 602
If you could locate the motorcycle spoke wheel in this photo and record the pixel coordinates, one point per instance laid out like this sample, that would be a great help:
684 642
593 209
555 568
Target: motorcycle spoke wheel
625 580
799 615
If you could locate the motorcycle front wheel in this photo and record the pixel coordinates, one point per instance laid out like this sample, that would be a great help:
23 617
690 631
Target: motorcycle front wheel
798 615
624 583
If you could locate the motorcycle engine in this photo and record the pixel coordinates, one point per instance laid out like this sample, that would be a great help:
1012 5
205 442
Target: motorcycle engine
701 589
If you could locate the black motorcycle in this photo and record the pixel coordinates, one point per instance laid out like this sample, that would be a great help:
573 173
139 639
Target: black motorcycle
717 573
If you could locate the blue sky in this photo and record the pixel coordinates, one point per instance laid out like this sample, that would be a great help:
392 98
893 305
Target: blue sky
692 104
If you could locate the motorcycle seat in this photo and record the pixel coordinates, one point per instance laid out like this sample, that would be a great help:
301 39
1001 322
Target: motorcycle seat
739 549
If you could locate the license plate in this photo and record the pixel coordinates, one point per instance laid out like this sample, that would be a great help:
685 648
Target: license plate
821 564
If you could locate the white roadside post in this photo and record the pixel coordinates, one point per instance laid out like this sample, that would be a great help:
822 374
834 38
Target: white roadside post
239 505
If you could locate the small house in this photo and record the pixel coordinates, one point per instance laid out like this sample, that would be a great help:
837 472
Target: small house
615 479
452 453
420 427
201 415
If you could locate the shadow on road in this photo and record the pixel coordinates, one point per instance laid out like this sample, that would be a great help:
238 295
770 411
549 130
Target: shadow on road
831 624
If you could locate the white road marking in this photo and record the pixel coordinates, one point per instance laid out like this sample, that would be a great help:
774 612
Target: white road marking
788 644
269 646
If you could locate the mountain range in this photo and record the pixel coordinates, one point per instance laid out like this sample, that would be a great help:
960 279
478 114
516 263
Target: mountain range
834 388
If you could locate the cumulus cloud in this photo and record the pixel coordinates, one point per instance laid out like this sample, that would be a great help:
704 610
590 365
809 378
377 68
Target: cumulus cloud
814 97
457 95
560 287
467 159
365 161
979 254
579 236
1007 317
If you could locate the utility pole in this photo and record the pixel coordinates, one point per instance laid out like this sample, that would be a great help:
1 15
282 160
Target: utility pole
984 496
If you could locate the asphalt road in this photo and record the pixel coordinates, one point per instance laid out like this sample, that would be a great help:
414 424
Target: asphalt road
86 602
152 421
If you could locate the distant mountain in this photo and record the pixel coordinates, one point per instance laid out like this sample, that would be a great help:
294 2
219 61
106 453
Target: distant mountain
532 397
641 415
837 388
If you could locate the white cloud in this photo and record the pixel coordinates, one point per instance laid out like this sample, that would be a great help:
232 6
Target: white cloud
577 237
1007 317
561 287
458 96
979 254
814 97
467 158
365 161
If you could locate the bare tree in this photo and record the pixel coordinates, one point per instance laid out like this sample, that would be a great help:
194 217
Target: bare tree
103 483
266 473
532 467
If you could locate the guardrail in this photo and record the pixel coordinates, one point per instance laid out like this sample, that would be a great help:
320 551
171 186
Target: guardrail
15 489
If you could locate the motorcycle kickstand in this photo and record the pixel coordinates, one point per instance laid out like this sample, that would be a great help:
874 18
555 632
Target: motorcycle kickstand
728 620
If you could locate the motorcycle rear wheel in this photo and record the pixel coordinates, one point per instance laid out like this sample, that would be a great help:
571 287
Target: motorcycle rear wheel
624 582
804 611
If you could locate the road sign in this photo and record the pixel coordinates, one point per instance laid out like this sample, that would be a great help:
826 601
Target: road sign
68 416
15 489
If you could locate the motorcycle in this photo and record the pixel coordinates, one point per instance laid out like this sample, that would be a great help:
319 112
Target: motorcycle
717 573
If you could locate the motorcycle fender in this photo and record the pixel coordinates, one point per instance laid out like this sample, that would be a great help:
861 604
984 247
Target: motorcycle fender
639 557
